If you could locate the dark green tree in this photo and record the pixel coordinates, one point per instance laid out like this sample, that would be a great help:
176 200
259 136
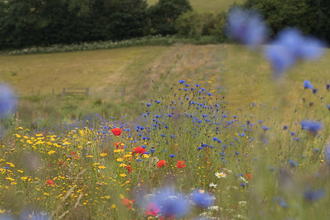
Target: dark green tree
322 25
164 13
280 14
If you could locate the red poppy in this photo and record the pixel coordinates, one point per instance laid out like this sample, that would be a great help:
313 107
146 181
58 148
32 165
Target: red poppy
129 168
127 203
152 209
119 144
161 163
49 182
138 150
180 164
249 176
116 131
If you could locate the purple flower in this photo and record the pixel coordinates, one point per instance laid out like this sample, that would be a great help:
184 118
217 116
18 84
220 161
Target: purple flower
7 100
202 199
246 26
311 126
290 46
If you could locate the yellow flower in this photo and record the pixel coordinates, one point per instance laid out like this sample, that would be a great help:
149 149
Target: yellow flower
21 171
24 178
79 146
101 167
113 206
26 137
122 165
145 155
103 154
20 128
120 159
122 175
89 156
13 183
118 150
18 136
127 155
107 197
2 211
51 152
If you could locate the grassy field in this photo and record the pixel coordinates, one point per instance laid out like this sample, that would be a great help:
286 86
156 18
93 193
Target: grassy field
208 5
129 76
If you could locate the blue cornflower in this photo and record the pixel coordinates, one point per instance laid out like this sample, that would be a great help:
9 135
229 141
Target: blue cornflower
313 196
328 106
280 201
182 81
202 198
172 155
292 133
158 102
295 138
246 26
197 85
327 86
285 127
148 104
186 85
152 150
293 163
171 203
311 126
7 101
307 84
209 94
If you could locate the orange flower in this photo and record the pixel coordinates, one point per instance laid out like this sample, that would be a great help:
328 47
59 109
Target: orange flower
161 163
127 203
49 182
180 164
249 176
116 131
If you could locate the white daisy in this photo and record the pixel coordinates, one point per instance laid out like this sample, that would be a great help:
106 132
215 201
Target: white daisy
219 175
213 185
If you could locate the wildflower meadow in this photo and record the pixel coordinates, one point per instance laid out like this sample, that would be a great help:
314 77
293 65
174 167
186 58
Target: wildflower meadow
187 155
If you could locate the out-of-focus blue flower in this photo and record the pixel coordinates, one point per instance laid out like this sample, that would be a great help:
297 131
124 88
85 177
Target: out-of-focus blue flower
172 155
311 126
313 196
171 203
202 198
328 106
7 100
280 201
327 153
290 46
247 27
307 84
33 215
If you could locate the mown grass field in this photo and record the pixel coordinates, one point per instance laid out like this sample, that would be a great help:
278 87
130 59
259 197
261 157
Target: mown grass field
208 5
241 75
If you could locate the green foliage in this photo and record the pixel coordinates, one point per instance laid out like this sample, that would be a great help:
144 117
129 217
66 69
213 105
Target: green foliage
322 25
196 24
163 15
281 14
35 23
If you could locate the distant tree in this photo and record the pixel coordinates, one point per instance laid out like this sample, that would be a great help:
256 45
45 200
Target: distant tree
164 13
26 23
280 14
322 25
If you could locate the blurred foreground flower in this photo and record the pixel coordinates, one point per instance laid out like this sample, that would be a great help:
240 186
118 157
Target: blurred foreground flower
291 46
311 126
247 27
170 203
7 100
313 196
202 198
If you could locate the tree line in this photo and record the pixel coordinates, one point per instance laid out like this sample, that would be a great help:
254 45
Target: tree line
26 23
